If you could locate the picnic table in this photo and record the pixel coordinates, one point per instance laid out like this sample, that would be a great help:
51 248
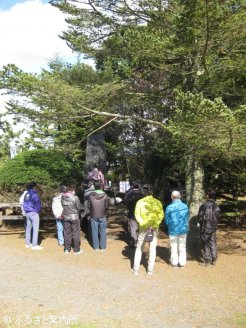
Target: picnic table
15 212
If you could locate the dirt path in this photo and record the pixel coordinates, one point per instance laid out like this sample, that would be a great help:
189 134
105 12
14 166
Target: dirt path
101 291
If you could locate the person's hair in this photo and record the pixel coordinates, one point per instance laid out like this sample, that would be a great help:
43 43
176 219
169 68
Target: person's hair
31 185
135 185
97 185
210 193
147 190
63 188
175 194
71 187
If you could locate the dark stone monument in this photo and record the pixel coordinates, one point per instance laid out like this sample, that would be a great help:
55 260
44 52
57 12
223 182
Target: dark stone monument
95 153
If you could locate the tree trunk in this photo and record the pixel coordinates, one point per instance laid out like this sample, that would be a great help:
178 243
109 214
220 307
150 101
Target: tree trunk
194 185
95 153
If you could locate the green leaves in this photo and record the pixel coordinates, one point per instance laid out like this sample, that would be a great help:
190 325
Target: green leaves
207 127
48 168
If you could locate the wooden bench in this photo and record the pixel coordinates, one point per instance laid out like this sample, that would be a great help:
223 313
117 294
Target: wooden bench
16 207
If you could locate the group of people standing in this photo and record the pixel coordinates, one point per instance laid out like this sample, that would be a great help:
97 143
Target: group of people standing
145 214
68 211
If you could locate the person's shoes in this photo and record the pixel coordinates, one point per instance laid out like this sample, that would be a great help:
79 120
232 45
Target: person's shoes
66 251
174 266
78 252
135 272
181 266
103 250
61 245
28 246
96 249
37 248
150 273
213 263
204 264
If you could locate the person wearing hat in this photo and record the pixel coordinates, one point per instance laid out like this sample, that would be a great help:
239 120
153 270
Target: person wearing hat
177 221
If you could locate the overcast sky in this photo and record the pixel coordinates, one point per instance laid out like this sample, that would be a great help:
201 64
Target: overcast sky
29 34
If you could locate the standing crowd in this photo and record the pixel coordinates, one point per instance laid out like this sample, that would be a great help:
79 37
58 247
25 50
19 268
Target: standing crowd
145 214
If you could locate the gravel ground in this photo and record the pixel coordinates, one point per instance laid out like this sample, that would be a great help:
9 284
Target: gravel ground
99 290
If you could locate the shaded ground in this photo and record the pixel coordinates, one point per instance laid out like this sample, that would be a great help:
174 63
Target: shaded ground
100 289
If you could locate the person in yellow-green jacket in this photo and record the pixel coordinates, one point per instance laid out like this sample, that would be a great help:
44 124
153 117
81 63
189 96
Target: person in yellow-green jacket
149 214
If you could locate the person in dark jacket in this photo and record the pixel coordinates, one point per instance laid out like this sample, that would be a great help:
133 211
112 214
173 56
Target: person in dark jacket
97 206
131 201
71 216
32 207
208 216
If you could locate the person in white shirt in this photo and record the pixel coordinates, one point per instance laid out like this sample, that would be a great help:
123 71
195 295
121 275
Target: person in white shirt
21 201
57 209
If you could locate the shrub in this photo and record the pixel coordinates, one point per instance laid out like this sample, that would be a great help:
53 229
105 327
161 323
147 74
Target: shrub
49 168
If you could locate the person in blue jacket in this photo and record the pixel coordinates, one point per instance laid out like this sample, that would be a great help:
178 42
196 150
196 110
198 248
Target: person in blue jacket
177 221
32 207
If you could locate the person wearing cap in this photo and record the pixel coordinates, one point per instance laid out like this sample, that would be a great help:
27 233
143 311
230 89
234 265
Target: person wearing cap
149 214
57 210
177 221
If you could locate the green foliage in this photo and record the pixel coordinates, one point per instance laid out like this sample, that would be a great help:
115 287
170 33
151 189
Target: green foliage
48 168
208 128
143 51
226 174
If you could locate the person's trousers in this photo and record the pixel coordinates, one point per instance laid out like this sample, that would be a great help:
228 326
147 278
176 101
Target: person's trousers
60 235
32 228
72 232
178 250
133 227
98 233
140 248
209 246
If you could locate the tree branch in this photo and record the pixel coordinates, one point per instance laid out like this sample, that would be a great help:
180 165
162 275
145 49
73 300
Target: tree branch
207 39
102 126
124 117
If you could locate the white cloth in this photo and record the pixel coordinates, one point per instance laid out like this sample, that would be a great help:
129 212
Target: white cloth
178 250
57 206
140 248
21 201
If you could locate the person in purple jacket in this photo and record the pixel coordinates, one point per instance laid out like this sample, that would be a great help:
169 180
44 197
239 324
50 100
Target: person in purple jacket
32 207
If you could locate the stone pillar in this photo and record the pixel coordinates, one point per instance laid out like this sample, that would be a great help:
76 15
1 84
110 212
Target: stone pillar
95 153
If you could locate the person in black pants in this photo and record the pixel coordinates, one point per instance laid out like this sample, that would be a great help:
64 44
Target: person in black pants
71 216
208 216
